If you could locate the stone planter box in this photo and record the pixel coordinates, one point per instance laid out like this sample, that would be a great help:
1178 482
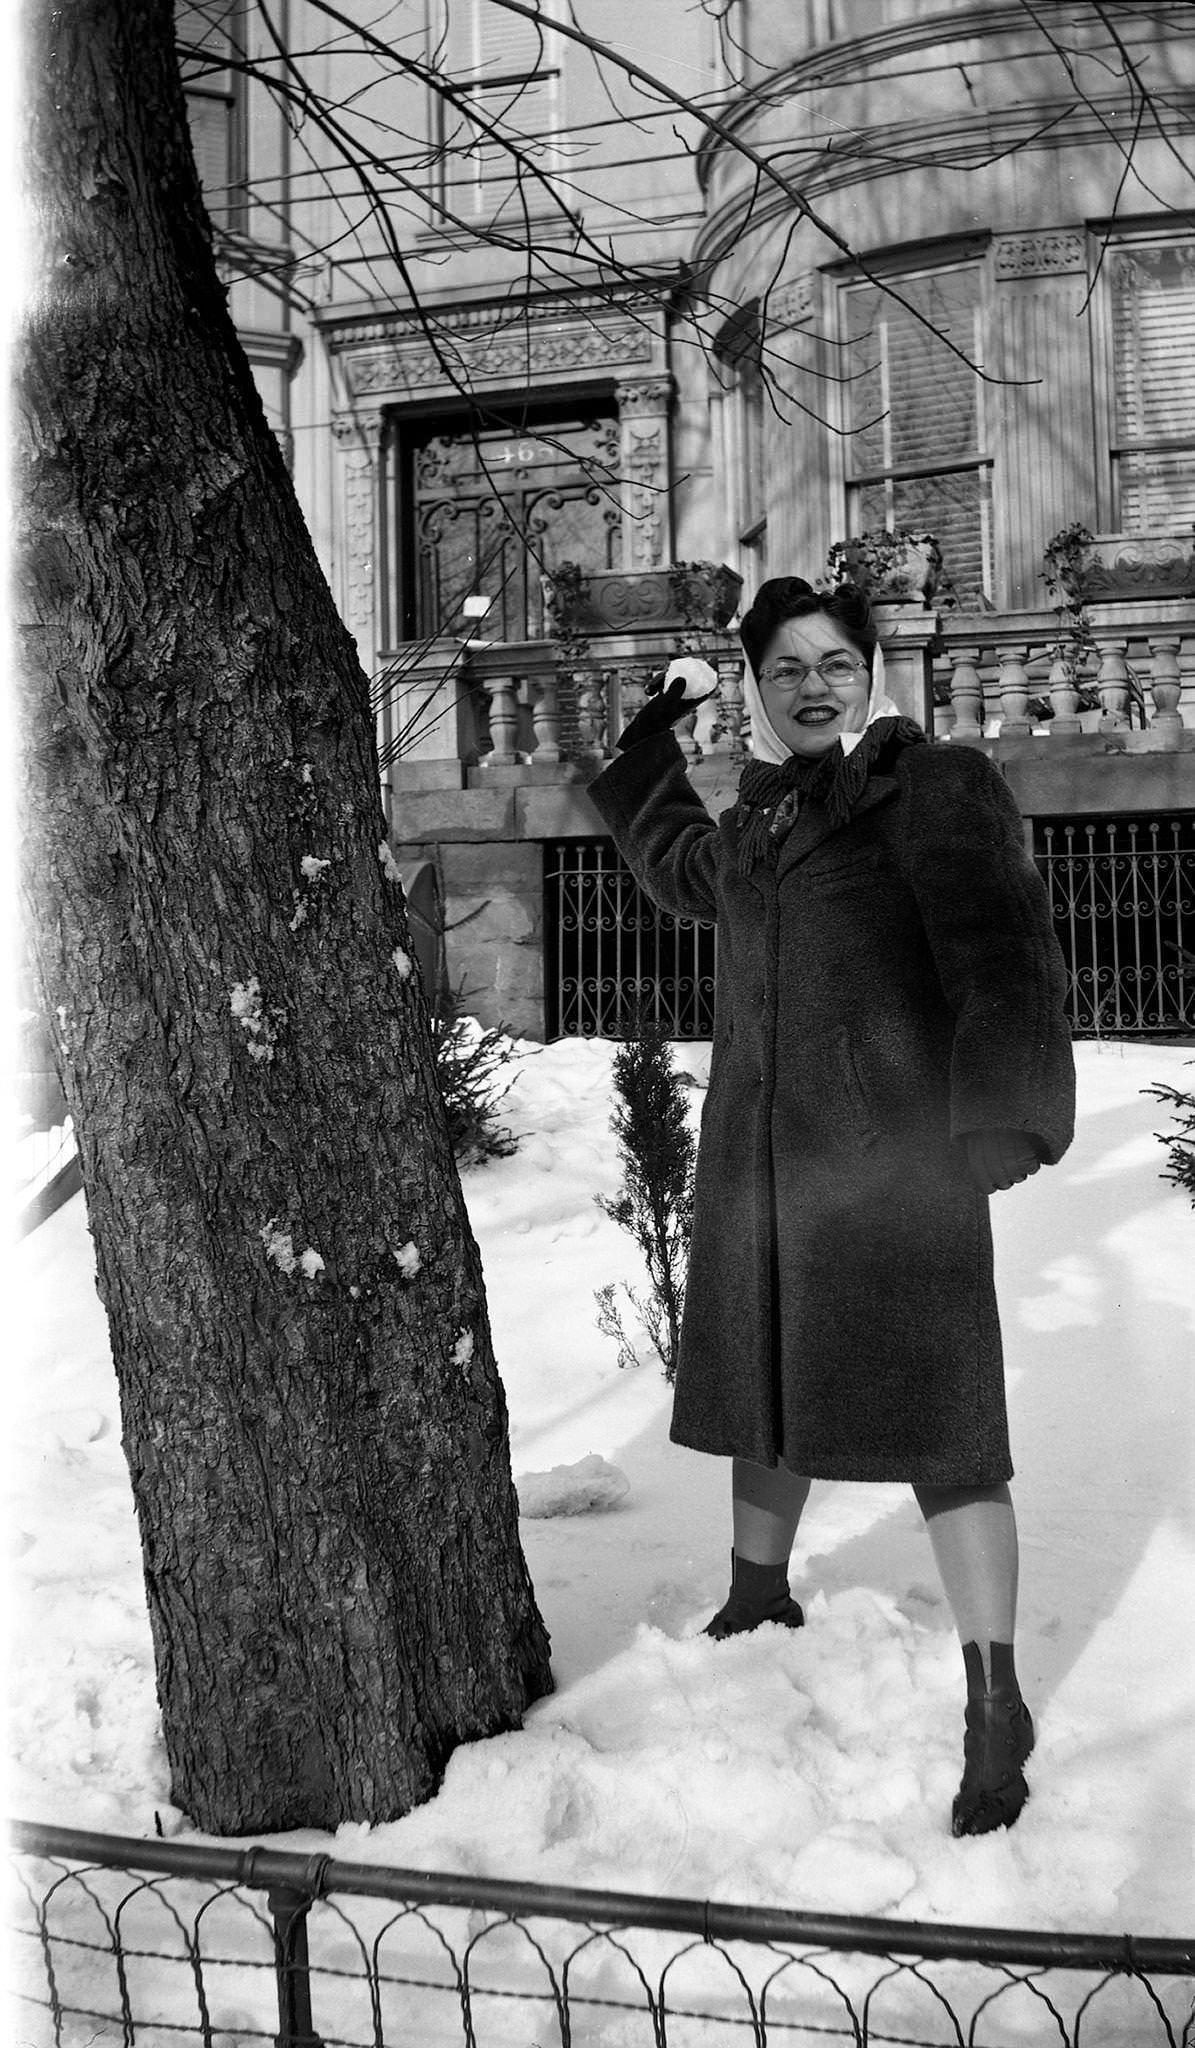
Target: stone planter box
686 598
1137 565
892 568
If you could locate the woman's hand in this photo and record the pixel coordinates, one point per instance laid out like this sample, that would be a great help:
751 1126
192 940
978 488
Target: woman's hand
999 1159
685 683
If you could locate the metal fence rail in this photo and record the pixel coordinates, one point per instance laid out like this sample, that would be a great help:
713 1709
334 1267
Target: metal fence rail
1122 891
609 949
123 1941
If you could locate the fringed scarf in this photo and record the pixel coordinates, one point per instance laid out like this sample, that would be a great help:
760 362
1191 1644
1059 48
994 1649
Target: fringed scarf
770 793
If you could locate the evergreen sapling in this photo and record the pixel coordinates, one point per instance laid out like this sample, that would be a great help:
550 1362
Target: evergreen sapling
468 1061
1180 1144
658 1155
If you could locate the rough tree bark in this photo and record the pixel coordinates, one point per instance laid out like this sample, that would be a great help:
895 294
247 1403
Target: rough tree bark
314 1425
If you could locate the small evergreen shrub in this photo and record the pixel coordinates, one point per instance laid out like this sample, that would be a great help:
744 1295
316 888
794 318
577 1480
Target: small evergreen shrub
1180 1144
468 1062
658 1155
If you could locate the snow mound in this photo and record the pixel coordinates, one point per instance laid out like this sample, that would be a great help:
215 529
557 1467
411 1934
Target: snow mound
581 1489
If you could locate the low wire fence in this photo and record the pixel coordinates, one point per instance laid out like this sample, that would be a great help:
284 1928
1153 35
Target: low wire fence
133 1942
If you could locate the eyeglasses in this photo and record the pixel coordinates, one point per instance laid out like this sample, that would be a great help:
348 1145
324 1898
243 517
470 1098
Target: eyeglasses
834 670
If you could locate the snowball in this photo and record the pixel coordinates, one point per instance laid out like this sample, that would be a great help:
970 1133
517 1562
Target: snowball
408 1261
700 679
390 867
571 1489
402 961
311 1264
313 868
462 1350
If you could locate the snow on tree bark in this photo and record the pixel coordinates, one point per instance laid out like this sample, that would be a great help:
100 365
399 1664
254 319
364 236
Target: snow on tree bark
320 1463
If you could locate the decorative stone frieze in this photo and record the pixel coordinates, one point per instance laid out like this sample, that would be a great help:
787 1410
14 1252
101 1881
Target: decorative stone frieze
1047 252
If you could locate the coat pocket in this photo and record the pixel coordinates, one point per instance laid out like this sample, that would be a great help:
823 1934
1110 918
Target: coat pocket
861 1108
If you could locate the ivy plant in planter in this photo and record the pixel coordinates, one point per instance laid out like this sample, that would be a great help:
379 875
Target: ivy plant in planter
1064 562
566 597
889 563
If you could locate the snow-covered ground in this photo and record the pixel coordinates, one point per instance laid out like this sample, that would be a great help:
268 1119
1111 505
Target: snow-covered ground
811 1770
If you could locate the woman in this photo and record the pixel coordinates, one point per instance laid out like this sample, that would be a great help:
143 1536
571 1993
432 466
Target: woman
889 1049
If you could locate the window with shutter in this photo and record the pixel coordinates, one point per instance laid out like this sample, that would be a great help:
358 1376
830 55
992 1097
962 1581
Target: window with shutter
505 70
207 37
914 417
1153 356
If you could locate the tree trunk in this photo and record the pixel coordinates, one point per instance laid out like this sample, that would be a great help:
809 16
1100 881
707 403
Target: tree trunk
313 1421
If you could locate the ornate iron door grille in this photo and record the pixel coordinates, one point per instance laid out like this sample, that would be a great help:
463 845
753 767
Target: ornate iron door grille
1122 894
608 947
489 500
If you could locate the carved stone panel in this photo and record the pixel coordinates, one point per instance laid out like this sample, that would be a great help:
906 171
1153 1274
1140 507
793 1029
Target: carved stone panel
643 406
358 438
790 305
1047 252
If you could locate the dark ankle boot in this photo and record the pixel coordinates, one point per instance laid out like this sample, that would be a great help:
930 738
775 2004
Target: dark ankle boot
758 1593
998 1738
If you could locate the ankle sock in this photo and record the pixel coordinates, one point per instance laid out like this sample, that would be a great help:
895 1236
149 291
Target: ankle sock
758 1593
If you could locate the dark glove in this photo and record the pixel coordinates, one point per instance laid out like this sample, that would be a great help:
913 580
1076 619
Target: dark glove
666 705
998 1159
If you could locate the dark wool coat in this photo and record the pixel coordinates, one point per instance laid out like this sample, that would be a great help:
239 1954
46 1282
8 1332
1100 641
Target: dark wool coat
887 987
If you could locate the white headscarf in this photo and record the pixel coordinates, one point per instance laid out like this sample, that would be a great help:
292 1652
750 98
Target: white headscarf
766 743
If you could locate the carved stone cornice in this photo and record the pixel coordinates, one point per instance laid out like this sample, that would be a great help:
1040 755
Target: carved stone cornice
1042 252
485 345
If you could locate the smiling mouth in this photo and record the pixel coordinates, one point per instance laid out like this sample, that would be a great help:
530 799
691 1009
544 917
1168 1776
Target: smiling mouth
817 714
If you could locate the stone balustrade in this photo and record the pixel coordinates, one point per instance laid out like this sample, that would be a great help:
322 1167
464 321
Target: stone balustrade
1015 676
514 711
463 715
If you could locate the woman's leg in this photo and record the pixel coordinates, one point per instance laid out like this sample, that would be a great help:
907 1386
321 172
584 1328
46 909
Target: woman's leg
767 1505
973 1530
974 1535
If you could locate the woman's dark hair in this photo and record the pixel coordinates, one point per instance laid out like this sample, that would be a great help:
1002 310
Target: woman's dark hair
790 597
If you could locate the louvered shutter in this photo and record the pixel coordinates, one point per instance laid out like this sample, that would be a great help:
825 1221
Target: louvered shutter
211 96
1153 344
209 117
913 417
509 69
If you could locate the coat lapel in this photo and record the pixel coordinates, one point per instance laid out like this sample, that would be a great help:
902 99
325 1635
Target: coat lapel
813 824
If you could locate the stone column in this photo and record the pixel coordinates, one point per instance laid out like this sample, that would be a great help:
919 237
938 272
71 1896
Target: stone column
907 633
646 469
359 437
